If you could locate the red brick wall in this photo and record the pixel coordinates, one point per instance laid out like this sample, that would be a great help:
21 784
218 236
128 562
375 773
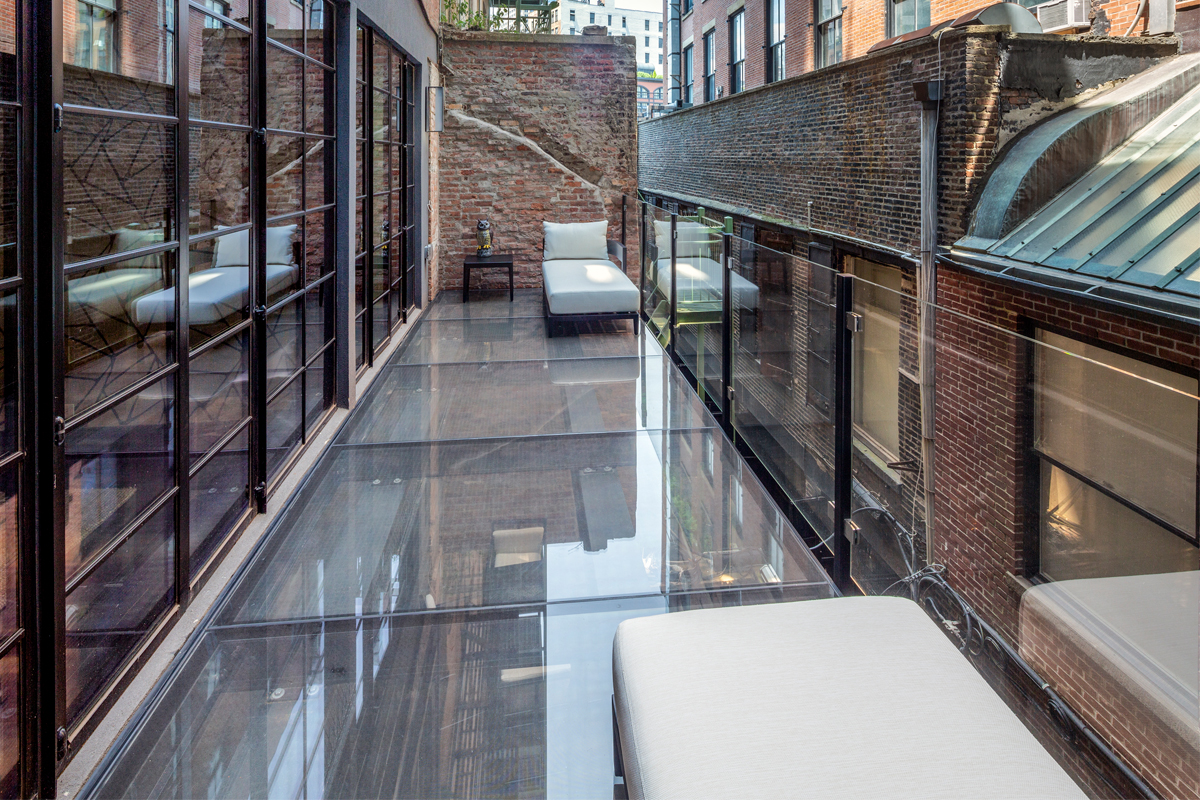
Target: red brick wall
565 151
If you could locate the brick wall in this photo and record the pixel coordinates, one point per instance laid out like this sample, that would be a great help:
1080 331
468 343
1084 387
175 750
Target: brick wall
537 127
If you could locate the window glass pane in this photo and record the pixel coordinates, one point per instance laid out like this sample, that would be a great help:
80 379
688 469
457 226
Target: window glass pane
380 321
318 390
315 94
1086 534
380 62
283 343
119 57
8 191
285 23
219 286
9 620
285 168
317 152
877 355
219 182
380 219
110 613
219 386
318 318
220 494
116 465
218 71
319 250
118 185
319 42
9 359
284 425
118 327
1105 422
10 723
284 77
284 249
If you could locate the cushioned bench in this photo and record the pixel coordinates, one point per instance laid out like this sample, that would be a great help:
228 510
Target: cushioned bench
859 697
580 281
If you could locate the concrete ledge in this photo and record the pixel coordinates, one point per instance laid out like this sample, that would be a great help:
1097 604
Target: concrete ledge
1054 154
513 37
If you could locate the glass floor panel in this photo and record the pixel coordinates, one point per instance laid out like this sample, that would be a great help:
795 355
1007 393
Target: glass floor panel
518 398
489 304
442 341
492 522
432 615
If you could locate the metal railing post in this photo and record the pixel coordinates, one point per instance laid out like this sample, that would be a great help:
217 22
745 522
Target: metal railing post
623 200
727 327
673 319
845 323
642 251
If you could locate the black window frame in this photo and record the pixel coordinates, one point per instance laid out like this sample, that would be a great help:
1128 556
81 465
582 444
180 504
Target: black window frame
710 65
737 51
828 25
776 41
687 73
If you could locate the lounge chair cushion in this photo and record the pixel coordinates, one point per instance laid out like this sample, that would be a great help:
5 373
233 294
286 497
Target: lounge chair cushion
849 697
588 286
692 240
575 240
233 249
698 279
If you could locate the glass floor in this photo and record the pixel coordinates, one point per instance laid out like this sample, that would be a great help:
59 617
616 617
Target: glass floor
432 615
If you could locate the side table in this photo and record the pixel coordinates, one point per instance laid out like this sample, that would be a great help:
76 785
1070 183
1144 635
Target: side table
497 260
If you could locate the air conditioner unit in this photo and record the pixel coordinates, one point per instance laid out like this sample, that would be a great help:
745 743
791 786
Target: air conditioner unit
1063 15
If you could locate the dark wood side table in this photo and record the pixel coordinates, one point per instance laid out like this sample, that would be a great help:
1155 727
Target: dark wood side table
497 260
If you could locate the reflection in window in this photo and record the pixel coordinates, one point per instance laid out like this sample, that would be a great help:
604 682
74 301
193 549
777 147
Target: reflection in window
737 52
95 35
908 16
877 358
776 33
829 32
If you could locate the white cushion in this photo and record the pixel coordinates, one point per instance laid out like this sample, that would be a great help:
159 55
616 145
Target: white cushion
575 240
844 698
213 295
588 286
699 279
233 249
132 238
692 240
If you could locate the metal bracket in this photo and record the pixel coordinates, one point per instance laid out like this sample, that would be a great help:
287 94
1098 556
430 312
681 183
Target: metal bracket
854 322
61 744
60 431
260 496
851 530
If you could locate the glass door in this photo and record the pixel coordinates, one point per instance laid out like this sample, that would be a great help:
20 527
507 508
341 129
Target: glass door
386 187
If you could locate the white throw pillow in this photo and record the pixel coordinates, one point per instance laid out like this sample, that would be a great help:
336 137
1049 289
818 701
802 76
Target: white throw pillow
233 249
694 240
574 240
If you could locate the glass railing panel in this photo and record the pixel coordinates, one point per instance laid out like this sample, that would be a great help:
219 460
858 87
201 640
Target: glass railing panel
1046 487
783 381
699 300
656 272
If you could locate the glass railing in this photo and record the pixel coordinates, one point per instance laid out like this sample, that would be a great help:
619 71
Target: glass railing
1035 491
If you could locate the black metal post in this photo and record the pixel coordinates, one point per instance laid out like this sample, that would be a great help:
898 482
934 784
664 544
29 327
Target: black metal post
727 327
642 251
623 202
672 319
183 450
842 421
258 278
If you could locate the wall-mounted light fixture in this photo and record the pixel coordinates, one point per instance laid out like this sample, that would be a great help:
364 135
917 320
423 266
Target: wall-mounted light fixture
434 109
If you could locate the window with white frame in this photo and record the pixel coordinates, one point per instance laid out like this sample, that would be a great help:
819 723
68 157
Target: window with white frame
592 17
829 32
710 66
647 24
737 52
572 12
776 33
876 373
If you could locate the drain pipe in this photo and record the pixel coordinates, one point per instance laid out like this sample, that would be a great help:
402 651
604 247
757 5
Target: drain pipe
929 94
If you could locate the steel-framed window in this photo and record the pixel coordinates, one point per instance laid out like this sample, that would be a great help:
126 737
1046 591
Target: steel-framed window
829 32
737 52
776 33
710 66
96 35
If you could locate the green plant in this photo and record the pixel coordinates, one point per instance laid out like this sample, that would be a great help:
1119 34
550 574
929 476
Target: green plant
515 15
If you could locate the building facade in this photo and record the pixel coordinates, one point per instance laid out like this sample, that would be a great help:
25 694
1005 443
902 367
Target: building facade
572 16
724 48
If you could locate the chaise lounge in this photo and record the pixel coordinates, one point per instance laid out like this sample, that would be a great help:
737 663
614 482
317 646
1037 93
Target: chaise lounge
581 279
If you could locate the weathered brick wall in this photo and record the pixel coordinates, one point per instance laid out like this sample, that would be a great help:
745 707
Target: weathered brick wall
537 128
846 138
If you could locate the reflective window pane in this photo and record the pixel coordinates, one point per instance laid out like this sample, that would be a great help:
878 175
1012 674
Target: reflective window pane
220 494
319 251
219 182
10 723
220 391
118 185
318 391
284 425
316 155
219 71
318 318
118 327
284 76
283 344
120 55
9 384
284 248
219 286
116 465
286 24
110 613
8 190
285 168
319 21
318 84
9 532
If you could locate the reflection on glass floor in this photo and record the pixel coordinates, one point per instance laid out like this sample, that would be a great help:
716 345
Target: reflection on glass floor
433 615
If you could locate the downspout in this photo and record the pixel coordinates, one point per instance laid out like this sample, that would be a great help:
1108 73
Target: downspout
929 94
